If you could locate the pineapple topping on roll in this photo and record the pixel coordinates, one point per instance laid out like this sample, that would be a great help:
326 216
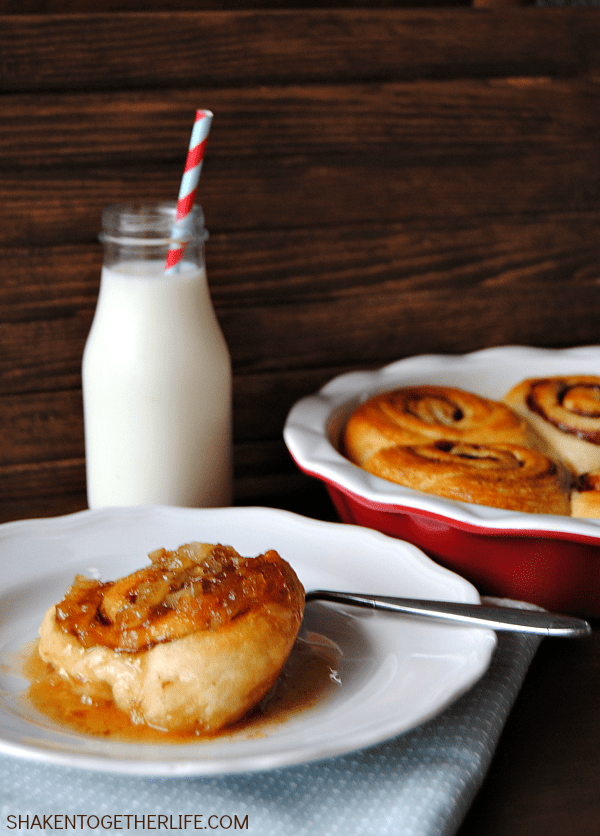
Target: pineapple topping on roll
190 643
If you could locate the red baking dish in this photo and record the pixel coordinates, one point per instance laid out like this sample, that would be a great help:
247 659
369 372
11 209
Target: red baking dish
549 560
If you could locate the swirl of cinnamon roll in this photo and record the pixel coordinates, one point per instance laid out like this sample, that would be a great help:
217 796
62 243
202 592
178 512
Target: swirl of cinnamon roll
565 411
197 587
500 475
425 414
195 640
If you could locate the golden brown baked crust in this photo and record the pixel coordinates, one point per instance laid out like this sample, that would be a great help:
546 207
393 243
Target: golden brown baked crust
565 411
426 414
501 475
193 641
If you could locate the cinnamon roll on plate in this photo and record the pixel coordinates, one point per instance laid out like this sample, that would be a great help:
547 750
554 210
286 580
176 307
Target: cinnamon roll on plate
191 642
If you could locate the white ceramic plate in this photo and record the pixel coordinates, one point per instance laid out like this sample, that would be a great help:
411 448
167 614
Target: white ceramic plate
394 672
314 425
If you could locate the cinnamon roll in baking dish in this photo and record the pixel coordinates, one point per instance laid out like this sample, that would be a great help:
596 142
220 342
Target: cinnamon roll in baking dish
499 475
426 414
585 496
565 411
445 441
192 642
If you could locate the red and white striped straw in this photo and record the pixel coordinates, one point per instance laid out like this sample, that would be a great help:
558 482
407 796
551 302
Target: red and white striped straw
189 181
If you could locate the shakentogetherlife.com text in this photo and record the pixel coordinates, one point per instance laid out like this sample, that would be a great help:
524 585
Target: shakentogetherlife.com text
127 822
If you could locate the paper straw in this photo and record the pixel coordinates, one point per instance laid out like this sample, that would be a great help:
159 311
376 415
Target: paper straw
189 181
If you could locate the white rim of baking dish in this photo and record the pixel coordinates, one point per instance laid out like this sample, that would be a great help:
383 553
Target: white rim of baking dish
314 424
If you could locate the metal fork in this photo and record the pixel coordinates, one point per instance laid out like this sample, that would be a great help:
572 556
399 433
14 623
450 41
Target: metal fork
486 614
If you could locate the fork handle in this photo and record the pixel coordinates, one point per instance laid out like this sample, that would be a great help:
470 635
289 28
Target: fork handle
497 617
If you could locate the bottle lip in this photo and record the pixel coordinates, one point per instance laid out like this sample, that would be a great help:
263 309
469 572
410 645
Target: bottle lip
151 224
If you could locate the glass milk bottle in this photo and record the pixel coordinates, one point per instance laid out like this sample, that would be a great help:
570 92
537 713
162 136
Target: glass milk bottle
156 370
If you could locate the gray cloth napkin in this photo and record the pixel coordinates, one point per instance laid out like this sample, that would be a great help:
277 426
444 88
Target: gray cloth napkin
418 784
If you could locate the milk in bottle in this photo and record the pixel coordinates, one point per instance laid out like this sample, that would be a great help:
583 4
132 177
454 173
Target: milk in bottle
156 370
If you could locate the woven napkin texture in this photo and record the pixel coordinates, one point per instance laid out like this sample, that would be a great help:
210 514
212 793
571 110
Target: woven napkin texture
418 784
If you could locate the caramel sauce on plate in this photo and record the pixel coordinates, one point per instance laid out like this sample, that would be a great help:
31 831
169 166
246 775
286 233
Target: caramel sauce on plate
309 676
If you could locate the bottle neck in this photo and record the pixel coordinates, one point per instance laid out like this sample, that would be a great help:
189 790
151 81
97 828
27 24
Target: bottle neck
138 233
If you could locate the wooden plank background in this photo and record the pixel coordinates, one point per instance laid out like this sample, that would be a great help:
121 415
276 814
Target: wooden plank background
379 182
